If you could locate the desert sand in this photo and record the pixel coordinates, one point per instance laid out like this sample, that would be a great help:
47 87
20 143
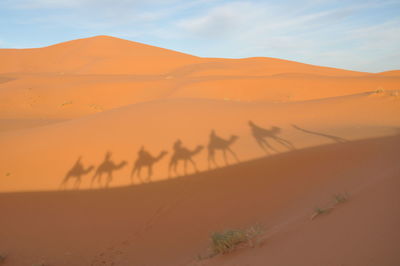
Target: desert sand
91 108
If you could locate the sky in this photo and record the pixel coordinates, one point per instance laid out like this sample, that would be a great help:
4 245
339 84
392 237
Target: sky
361 35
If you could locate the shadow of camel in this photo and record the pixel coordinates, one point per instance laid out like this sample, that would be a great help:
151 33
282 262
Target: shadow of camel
182 154
261 134
106 167
217 143
334 138
145 159
77 171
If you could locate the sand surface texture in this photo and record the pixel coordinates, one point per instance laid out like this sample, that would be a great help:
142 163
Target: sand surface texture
120 153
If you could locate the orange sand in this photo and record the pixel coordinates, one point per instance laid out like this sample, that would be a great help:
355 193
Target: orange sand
87 97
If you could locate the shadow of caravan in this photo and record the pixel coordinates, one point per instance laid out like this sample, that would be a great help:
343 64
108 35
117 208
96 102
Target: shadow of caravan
145 159
182 154
107 167
76 172
331 137
262 134
217 143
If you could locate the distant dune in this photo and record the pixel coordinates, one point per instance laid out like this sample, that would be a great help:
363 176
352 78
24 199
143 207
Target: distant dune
395 73
96 55
90 75
110 56
88 114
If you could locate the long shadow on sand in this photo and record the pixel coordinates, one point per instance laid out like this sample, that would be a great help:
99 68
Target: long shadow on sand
145 159
106 167
217 143
262 134
331 137
181 153
76 172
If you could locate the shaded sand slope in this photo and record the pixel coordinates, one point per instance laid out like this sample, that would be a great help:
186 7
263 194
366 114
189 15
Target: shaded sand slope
168 223
37 159
359 232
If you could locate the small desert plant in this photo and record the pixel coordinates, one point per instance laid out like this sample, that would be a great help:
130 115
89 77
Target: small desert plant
341 198
226 241
379 90
319 211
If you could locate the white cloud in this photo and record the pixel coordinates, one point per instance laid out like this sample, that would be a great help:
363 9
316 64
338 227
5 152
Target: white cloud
309 33
220 21
336 33
254 20
40 4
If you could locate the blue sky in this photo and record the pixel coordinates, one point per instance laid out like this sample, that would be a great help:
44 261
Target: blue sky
351 34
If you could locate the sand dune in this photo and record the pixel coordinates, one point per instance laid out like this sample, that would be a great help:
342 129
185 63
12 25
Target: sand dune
111 56
54 82
174 218
96 55
296 133
66 96
390 73
50 151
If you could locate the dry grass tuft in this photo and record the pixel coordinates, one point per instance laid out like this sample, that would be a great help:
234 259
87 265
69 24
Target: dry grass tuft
227 241
319 211
341 198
